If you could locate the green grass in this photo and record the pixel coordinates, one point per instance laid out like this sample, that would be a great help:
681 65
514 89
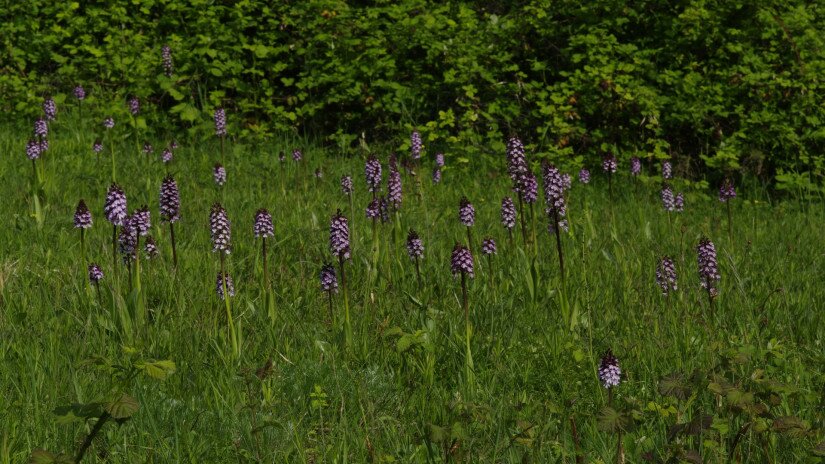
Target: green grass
400 393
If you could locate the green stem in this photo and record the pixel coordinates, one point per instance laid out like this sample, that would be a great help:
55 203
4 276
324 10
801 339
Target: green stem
347 324
228 304
174 250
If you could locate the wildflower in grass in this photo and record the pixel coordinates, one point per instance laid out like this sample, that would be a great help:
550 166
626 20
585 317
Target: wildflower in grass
142 220
488 246
374 209
220 122
329 281
173 144
109 123
392 162
415 247
33 149
516 161
346 185
667 170
263 227
566 181
436 175
95 274
666 275
635 166
297 155
461 261
372 173
609 163
679 202
170 209
439 160
148 149
668 201
339 236
415 145
44 145
166 155
584 176
281 157
128 241
318 173
219 174
97 147
727 191
708 268
79 92
508 214
115 206
610 374
529 188
166 60
150 248
384 209
224 280
134 106
50 108
221 229
554 187
466 212
41 129
82 216
394 194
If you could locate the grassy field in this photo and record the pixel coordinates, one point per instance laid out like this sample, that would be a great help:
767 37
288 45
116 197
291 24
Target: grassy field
743 374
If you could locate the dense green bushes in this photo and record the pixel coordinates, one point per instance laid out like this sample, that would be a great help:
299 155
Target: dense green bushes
729 85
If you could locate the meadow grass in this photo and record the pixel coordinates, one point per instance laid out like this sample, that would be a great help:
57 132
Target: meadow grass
400 392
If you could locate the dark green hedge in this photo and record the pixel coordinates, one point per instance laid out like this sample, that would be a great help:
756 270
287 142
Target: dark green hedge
719 84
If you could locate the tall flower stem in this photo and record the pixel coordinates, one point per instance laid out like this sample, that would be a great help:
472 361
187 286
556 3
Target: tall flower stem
533 225
114 249
521 220
558 244
470 239
418 273
174 249
352 215
468 361
347 324
730 222
228 304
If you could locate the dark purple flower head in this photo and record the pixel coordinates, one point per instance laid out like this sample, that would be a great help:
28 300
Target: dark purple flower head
166 155
142 220
134 106
727 191
346 185
679 202
281 157
166 60
50 108
44 145
297 155
553 186
82 216
374 208
668 201
439 160
169 200
666 275
529 188
319 174
557 214
173 144
635 166
508 213
221 229
516 161
566 181
384 208
148 148
115 206
466 212
224 279
461 261
41 129
488 246
436 175
392 162
610 374
415 247
97 147
415 145
339 236
584 176
95 274
329 281
150 248
667 170
609 163
128 240
372 173
33 149
219 174
80 92
109 123
394 194
708 268
263 227
220 122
